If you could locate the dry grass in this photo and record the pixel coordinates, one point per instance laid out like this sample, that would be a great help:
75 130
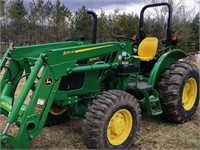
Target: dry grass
154 133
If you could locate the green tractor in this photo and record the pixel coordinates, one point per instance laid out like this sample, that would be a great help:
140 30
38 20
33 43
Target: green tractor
101 82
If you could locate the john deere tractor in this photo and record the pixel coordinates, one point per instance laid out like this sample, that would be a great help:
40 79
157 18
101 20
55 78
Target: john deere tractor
101 82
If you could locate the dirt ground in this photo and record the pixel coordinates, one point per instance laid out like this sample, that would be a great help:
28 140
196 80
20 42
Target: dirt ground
154 133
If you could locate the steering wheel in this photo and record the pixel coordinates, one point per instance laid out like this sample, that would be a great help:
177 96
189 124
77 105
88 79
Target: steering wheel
77 38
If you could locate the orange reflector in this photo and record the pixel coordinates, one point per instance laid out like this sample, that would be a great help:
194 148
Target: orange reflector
134 37
174 37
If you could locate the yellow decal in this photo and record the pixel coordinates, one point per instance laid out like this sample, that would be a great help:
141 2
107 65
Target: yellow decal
6 105
94 59
85 49
92 48
68 52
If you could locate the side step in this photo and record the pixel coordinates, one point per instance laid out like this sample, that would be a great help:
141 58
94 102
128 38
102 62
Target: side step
141 85
154 107
152 103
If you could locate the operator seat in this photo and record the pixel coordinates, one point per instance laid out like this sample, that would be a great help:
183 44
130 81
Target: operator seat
147 49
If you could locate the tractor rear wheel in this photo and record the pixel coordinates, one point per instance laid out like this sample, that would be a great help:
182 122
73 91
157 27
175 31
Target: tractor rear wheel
179 92
112 121
57 115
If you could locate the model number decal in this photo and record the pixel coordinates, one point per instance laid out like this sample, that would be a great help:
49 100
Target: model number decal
68 52
94 59
6 105
86 49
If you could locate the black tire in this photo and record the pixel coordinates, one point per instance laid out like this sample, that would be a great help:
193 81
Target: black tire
57 115
107 105
178 81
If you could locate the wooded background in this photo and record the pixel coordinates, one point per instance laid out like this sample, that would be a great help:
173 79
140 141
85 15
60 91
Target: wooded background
43 22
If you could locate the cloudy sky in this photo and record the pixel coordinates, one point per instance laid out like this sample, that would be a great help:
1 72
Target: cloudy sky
107 5
111 5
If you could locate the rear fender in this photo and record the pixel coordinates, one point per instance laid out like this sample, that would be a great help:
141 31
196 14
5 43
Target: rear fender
164 62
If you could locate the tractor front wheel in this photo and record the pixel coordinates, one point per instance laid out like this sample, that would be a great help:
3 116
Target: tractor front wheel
112 121
179 92
57 115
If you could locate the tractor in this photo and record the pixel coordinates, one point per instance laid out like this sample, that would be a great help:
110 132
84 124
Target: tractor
100 82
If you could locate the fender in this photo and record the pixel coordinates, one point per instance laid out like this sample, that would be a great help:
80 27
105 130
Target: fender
164 62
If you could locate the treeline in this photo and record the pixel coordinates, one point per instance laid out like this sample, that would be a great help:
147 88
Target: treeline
42 21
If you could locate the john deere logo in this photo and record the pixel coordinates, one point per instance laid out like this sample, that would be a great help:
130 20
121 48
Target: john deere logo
48 81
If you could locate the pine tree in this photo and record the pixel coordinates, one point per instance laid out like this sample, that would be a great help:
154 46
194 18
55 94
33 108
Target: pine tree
18 25
61 16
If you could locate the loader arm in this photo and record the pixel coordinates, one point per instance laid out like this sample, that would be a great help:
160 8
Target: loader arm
45 67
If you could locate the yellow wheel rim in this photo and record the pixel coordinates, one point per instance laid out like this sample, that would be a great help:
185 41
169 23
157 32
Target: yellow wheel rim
57 110
189 94
119 127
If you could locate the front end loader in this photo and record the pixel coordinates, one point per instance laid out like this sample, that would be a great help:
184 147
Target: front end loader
101 82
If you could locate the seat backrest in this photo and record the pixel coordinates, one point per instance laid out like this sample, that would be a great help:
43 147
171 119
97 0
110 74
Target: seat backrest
148 48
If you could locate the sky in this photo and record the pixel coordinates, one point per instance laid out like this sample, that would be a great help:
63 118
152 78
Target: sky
109 6
106 5
128 6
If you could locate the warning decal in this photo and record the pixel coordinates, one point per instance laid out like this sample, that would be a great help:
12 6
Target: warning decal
38 107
